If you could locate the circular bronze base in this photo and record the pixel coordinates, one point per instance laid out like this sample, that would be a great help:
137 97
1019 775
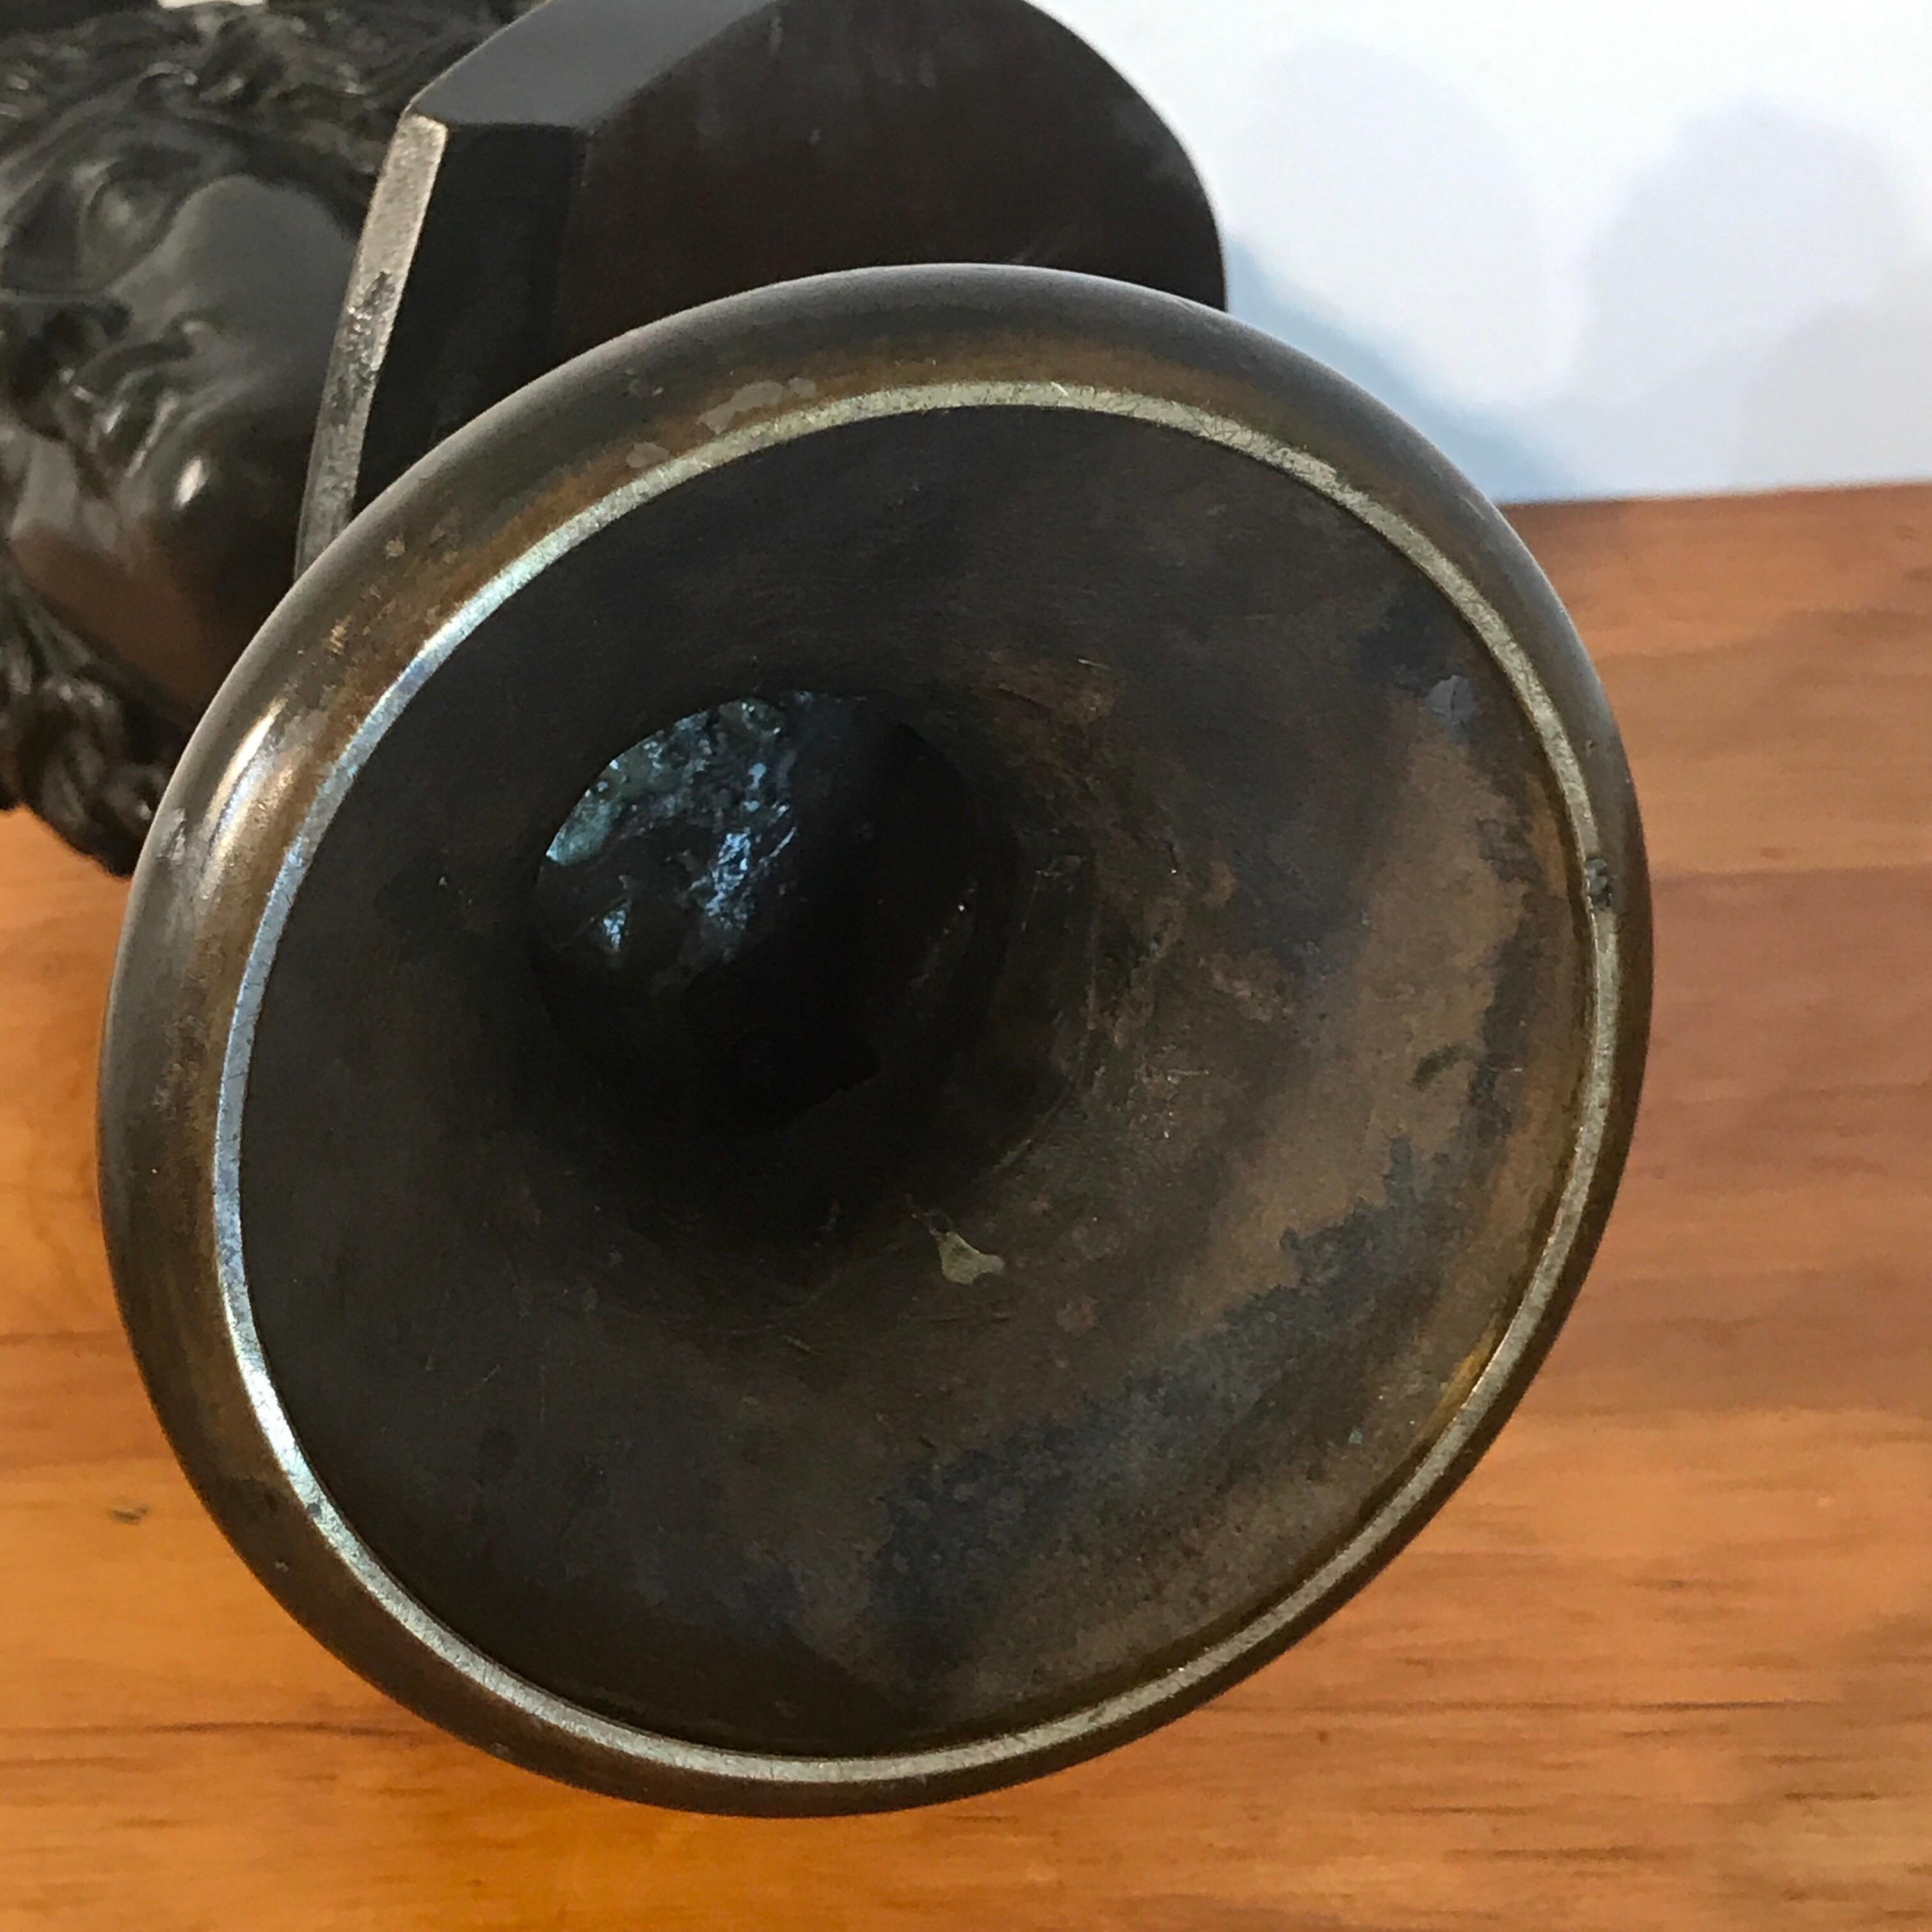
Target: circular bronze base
1000 1165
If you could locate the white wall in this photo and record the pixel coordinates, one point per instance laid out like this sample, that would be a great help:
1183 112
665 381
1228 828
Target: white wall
1592 247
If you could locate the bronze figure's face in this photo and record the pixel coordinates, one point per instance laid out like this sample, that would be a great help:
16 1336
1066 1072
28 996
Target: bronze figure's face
168 291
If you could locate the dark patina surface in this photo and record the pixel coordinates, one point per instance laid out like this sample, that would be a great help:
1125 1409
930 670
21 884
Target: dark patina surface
1151 1202
602 164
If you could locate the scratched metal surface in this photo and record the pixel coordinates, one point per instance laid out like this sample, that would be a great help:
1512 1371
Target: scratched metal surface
1044 1369
1293 1004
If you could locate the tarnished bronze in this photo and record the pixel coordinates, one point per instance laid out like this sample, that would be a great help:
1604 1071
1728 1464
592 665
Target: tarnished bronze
1149 1292
626 163
882 1026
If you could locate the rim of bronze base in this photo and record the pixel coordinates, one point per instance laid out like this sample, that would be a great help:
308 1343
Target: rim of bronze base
363 633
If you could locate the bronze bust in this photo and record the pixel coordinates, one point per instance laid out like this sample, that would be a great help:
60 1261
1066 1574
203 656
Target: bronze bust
896 1005
180 194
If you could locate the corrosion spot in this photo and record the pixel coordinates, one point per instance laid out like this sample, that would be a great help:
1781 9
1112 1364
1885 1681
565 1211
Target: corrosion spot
961 1262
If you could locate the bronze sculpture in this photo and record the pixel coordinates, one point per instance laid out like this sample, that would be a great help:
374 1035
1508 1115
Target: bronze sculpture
889 1017
180 194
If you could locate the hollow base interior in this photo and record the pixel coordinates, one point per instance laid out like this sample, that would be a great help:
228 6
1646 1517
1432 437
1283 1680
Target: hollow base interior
909 1084
779 911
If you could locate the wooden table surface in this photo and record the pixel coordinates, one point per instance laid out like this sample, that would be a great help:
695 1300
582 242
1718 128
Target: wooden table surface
1666 1661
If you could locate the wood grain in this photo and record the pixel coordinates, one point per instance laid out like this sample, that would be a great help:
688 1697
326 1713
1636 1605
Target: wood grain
1665 1662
